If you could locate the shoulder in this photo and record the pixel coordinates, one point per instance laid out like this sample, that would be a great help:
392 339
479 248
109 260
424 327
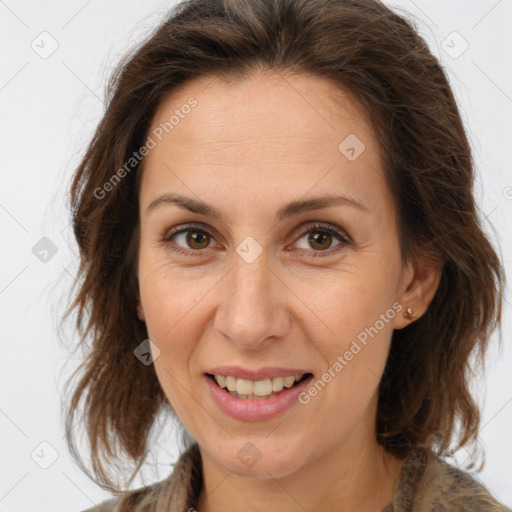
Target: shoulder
105 506
133 501
429 483
177 492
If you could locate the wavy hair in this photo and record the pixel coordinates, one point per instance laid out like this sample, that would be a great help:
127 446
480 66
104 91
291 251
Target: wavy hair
377 54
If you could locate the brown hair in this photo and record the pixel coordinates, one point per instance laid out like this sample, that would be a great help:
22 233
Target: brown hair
376 54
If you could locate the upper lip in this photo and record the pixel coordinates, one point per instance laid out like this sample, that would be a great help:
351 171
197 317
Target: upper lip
261 374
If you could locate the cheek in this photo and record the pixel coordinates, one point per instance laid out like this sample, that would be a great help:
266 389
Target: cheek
164 296
354 356
354 305
171 299
168 307
359 312
168 303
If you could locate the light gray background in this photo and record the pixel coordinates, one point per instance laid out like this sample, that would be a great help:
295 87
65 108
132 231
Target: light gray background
49 108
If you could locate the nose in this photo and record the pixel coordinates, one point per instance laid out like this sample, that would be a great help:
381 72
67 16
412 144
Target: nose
252 313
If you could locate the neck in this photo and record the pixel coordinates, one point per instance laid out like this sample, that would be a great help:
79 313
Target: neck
358 475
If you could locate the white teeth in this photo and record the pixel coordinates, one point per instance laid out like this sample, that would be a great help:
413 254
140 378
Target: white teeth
256 390
244 387
277 383
288 382
231 383
263 387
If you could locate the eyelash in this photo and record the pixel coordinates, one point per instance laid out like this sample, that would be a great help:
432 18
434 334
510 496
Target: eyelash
344 239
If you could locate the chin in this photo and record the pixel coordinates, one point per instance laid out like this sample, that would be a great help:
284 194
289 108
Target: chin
259 459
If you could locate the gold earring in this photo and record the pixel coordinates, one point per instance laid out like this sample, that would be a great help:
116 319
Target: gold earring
409 314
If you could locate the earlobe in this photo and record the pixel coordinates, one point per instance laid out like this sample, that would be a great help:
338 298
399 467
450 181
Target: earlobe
418 291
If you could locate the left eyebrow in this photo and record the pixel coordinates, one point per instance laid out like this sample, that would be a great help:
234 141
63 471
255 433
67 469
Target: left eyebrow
318 203
289 210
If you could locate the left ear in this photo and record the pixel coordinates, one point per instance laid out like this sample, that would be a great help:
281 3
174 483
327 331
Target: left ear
420 282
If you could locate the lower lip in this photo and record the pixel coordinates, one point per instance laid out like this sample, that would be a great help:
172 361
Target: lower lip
255 410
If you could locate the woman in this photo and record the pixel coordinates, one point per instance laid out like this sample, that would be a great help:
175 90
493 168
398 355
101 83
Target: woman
279 245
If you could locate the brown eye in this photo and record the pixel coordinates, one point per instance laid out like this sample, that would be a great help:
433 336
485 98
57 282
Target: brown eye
189 240
320 240
196 239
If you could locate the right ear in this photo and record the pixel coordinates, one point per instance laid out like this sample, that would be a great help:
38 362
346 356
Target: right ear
140 309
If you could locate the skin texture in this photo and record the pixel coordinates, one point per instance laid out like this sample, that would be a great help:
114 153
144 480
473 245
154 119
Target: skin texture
248 148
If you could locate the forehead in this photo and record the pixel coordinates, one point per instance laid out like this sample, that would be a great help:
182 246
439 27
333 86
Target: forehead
261 105
260 132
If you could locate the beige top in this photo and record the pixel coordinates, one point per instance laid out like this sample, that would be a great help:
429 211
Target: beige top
426 484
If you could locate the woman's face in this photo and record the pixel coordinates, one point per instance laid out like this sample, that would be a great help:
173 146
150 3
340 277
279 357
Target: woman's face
259 285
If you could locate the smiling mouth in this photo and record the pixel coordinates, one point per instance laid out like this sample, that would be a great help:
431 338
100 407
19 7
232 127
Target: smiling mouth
257 390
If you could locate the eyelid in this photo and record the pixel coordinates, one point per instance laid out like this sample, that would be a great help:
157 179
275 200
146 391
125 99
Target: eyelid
301 230
321 225
186 227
